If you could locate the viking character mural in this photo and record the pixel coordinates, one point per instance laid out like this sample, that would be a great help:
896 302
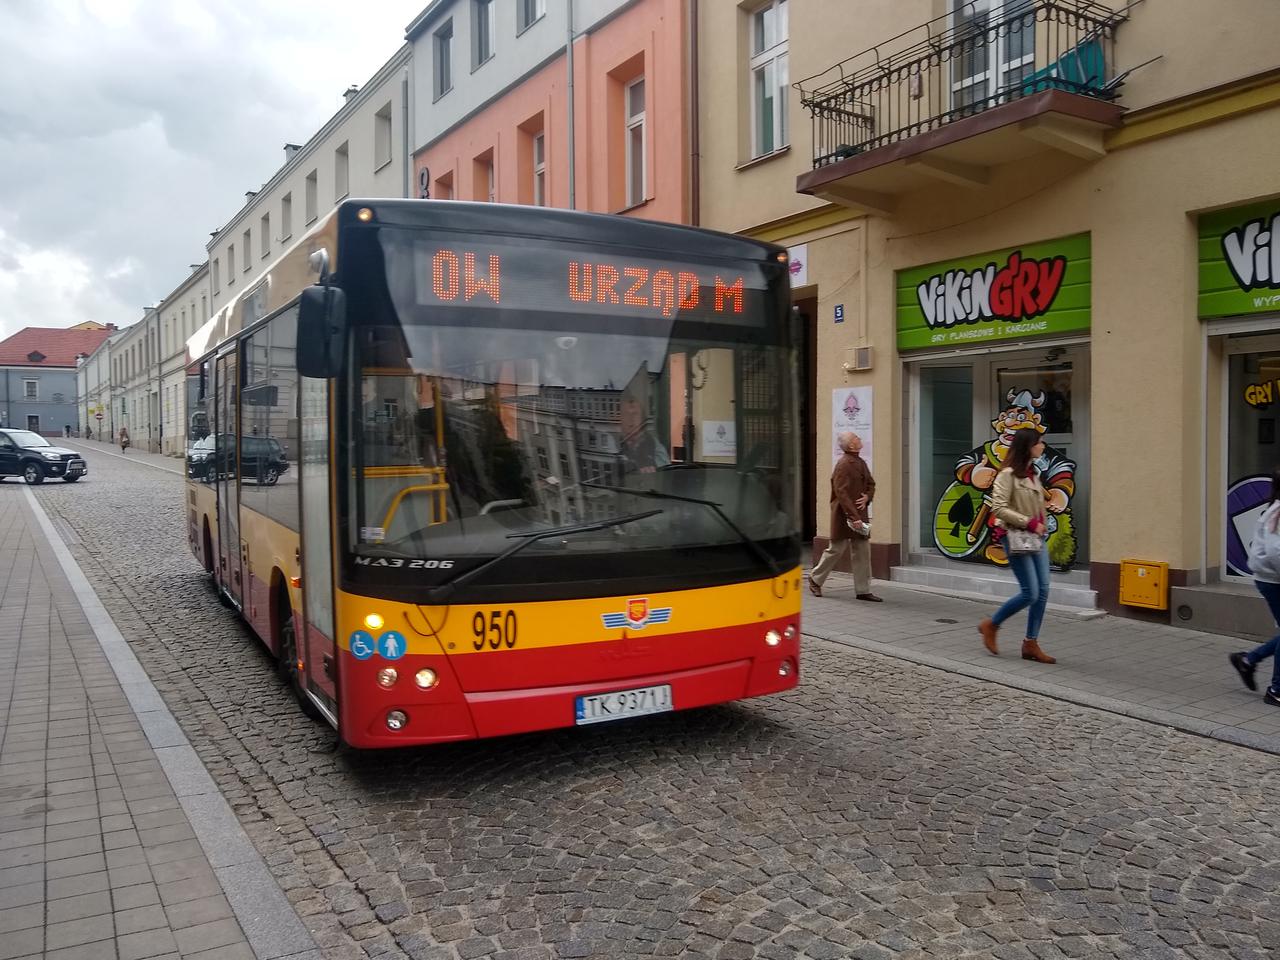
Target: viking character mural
961 523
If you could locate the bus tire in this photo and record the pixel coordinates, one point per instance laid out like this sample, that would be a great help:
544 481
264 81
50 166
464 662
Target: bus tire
207 546
287 660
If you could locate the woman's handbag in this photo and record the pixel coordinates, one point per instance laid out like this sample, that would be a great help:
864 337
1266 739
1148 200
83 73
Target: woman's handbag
1021 542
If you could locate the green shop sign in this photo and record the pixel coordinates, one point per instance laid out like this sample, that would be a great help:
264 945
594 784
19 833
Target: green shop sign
1040 289
1240 260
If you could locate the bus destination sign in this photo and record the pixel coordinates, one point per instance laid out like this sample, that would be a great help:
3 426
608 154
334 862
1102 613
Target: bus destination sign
582 282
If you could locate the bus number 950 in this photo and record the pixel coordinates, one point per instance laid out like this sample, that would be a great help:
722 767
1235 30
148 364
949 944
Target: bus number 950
495 632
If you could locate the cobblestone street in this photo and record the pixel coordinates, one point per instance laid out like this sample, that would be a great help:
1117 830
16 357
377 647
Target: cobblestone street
884 809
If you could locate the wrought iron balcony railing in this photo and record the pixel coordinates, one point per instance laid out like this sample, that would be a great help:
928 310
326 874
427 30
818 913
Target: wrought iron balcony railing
979 56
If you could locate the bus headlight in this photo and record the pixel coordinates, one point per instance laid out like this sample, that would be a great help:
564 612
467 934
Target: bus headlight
786 668
426 678
790 632
396 720
387 677
772 638
374 621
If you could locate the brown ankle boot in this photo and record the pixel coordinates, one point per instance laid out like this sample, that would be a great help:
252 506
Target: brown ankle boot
1031 651
988 631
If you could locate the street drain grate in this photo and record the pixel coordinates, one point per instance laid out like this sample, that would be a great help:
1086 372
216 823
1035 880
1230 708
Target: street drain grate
945 620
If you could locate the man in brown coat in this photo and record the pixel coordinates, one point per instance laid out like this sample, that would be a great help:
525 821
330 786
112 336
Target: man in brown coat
852 490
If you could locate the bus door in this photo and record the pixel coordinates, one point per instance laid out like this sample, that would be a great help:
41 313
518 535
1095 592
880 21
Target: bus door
227 466
316 647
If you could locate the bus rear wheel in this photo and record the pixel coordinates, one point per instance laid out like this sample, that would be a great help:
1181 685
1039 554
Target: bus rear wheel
288 665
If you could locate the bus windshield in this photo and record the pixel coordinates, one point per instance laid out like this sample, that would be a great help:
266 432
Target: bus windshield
502 391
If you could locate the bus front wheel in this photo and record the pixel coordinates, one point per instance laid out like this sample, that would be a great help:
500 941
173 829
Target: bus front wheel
289 664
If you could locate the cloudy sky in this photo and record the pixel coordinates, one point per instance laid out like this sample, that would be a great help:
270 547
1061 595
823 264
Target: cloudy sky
129 129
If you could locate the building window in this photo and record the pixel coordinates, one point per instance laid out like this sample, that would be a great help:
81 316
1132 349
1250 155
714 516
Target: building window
312 187
769 79
286 217
483 31
231 264
444 59
248 257
634 100
993 59
382 137
483 184
540 170
30 389
341 172
264 235
529 12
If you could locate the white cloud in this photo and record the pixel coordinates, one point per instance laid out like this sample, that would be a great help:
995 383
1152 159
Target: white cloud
131 128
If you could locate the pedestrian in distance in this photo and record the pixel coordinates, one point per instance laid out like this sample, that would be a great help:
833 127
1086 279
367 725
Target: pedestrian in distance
124 439
66 429
1264 565
852 490
1018 505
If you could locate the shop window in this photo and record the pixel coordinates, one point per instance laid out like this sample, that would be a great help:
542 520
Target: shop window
1253 405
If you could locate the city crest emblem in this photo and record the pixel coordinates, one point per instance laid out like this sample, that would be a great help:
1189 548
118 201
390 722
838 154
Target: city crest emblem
638 616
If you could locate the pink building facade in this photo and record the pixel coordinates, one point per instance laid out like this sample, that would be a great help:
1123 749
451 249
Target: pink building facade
631 119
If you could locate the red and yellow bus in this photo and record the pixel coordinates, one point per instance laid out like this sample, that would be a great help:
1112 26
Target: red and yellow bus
471 470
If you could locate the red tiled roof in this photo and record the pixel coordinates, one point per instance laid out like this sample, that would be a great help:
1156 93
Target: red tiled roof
59 347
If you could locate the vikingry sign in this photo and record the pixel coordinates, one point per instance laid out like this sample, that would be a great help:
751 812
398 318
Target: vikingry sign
1239 256
1033 290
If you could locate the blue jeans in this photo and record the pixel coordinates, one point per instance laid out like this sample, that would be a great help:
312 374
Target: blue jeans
1271 593
1032 571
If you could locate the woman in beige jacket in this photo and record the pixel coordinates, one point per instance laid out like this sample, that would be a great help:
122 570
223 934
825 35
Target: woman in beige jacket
1018 503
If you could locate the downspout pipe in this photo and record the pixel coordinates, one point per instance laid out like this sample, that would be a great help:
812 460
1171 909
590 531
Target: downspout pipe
695 144
404 130
573 200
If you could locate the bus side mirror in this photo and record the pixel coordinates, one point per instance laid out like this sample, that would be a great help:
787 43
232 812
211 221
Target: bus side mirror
322 319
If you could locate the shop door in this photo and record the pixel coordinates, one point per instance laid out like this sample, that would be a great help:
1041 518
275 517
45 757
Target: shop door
967 411
807 401
1050 391
226 464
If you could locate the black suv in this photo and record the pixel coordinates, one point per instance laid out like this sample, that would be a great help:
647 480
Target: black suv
262 459
30 456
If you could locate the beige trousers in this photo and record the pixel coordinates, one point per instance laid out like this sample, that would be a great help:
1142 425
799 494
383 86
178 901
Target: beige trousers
861 547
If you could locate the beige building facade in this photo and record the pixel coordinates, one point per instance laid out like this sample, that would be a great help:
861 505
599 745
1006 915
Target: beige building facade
1043 212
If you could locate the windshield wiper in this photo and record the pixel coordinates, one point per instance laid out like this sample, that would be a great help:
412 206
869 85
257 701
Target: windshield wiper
445 590
758 551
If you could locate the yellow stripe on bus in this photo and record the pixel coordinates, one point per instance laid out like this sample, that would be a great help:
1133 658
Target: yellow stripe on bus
559 623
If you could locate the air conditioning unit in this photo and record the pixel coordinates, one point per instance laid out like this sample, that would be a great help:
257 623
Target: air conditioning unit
857 359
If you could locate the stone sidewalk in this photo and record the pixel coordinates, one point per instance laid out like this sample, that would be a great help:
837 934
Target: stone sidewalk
114 843
1163 674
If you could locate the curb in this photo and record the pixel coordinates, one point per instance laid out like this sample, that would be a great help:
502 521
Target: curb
1136 711
264 913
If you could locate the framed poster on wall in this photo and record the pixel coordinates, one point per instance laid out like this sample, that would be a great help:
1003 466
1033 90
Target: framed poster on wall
851 413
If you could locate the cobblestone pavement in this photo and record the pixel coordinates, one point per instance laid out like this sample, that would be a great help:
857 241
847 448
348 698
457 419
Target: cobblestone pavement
881 810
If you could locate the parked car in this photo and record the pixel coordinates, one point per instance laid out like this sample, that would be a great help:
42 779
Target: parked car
200 459
30 456
262 459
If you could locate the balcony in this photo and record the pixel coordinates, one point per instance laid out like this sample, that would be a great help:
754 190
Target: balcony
993 82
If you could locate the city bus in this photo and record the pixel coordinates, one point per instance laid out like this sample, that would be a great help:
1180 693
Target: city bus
470 470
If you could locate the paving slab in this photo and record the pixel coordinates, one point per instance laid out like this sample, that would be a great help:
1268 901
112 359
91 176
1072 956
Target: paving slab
1162 674
89 752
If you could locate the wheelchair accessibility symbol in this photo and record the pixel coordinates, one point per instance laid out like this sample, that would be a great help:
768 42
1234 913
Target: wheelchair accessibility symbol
391 645
361 645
